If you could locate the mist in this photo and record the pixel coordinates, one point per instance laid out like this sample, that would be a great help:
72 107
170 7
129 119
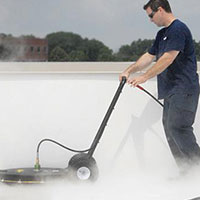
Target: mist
11 49
133 156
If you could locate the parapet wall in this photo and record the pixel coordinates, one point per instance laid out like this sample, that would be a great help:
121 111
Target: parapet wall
64 67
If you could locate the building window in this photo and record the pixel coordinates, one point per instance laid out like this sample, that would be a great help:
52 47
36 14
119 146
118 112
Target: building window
31 49
38 49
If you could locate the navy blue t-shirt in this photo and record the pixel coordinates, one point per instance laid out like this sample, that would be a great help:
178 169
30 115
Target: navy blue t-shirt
181 76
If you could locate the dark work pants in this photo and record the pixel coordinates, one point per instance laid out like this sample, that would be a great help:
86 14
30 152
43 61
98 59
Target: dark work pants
178 117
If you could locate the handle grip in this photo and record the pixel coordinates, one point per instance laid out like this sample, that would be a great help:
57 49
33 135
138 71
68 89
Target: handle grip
124 79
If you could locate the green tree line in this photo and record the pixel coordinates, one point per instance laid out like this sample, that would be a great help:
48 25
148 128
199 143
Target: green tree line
68 46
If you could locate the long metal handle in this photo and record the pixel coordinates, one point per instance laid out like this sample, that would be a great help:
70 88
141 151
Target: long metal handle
106 118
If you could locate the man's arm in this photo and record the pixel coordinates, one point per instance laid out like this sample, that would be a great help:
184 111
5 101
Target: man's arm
163 62
144 61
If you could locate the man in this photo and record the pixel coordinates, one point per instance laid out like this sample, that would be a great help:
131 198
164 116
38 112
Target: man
178 82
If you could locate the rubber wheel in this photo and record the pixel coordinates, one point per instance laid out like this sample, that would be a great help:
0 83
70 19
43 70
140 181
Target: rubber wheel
83 168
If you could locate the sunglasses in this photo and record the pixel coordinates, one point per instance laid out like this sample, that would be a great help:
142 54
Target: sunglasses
152 14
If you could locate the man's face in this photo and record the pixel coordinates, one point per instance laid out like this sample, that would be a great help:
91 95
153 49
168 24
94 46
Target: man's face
155 16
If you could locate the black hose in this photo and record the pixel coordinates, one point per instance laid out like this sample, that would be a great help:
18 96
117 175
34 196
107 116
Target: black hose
59 144
53 141
141 88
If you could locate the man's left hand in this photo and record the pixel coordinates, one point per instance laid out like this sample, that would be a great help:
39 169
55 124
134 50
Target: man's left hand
137 80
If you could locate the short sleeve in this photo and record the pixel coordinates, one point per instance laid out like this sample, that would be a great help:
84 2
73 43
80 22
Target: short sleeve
153 50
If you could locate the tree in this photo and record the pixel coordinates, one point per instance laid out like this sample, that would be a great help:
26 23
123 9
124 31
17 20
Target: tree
97 51
66 40
124 53
134 51
78 55
79 49
58 55
105 54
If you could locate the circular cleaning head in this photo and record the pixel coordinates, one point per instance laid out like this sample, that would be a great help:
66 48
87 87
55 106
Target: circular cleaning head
30 175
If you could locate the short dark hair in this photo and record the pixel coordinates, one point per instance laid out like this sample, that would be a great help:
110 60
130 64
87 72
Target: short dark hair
155 4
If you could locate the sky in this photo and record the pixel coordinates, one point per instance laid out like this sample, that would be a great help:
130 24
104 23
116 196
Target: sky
114 22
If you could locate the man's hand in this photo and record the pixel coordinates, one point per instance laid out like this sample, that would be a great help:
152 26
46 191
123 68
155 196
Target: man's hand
144 61
137 80
126 74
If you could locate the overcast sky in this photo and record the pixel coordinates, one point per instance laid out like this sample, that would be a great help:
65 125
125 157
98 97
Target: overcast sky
114 22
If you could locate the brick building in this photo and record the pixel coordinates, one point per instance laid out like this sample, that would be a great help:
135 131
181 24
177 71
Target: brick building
24 49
